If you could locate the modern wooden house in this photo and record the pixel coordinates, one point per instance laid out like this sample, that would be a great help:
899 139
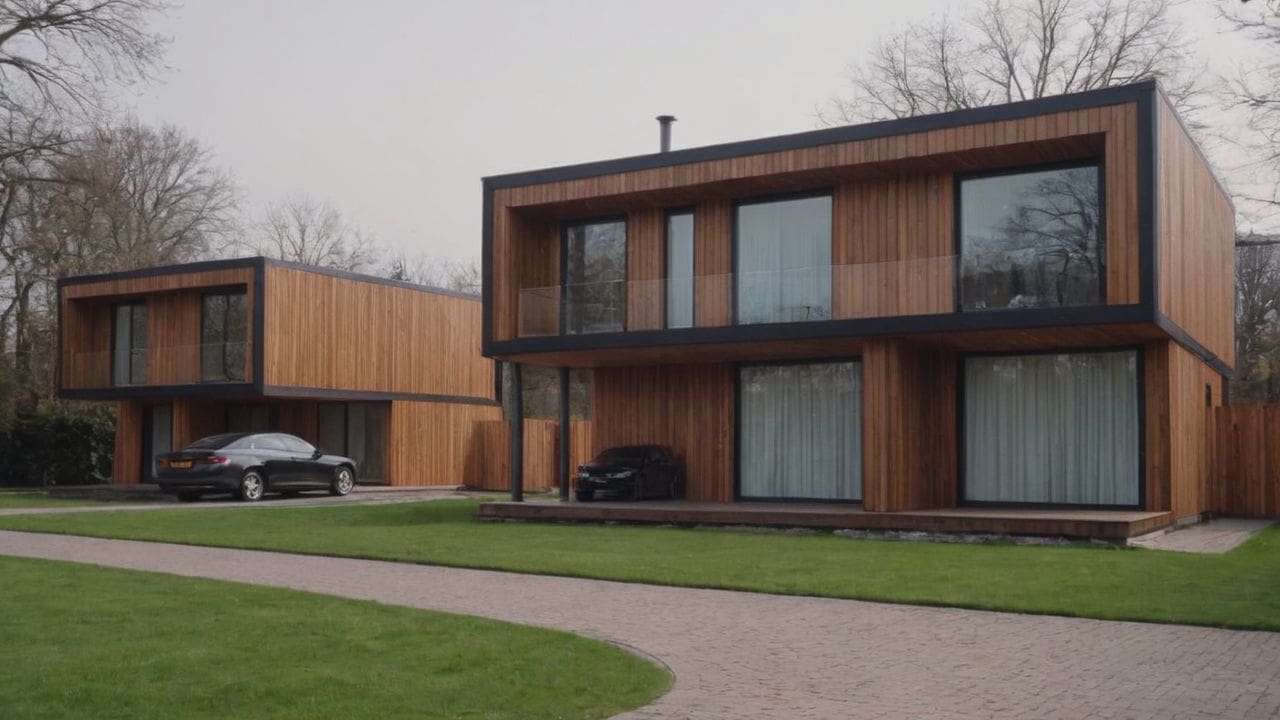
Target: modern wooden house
385 372
1013 318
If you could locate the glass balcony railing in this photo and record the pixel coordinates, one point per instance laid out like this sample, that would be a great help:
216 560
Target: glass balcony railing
170 365
919 286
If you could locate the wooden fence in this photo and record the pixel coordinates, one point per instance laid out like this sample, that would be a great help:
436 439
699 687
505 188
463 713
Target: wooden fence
1245 461
541 453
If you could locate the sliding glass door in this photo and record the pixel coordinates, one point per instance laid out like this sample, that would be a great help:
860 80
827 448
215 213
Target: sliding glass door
1052 429
800 431
358 430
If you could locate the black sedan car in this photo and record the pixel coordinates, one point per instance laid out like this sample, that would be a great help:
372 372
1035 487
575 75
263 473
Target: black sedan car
634 472
250 464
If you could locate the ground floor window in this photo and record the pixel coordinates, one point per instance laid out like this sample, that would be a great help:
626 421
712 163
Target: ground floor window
800 431
357 430
1052 429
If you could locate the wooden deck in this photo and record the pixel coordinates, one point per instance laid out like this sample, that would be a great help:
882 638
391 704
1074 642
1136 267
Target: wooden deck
1102 524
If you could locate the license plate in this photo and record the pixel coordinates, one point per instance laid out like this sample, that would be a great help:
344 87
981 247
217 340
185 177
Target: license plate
180 464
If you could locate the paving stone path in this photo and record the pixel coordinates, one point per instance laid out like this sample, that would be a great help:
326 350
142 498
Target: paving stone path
745 655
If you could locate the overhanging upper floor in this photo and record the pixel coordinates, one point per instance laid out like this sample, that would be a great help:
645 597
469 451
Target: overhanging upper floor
262 327
1079 220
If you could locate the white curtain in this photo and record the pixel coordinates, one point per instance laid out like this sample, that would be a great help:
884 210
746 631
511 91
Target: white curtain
801 431
784 261
680 270
1052 429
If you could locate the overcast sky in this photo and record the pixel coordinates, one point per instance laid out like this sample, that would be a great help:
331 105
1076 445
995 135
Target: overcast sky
393 110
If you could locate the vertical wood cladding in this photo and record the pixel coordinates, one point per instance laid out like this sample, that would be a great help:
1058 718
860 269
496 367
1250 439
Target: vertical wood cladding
1246 461
1196 227
174 304
892 251
541 454
687 408
645 253
443 444
1181 393
898 229
127 461
375 337
909 458
713 263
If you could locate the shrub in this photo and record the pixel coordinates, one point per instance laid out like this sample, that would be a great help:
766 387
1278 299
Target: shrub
58 446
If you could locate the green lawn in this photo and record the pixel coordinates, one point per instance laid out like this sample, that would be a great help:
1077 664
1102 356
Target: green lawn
36 498
1240 589
78 641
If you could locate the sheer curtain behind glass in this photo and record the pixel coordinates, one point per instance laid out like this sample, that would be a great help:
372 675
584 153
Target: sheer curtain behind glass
595 293
1052 429
801 433
680 270
784 260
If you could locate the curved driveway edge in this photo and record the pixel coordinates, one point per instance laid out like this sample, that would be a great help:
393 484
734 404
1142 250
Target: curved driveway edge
747 655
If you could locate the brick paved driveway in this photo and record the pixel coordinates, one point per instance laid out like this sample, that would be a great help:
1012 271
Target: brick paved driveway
744 655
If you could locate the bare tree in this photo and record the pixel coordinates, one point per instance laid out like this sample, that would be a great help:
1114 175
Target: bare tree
1010 50
1257 318
61 54
448 273
312 232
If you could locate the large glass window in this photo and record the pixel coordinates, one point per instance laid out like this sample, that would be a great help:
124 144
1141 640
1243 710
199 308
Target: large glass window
223 334
358 430
1031 239
595 269
680 270
800 431
129 344
1052 429
784 260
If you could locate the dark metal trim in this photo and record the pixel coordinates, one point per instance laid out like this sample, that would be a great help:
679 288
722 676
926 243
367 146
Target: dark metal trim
1098 163
1009 111
249 262
128 392
516 458
1140 374
1148 210
58 380
366 395
820 329
1181 337
565 426
737 431
260 325
486 275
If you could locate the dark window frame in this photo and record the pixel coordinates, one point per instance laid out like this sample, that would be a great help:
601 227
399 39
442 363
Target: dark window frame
827 192
1098 162
225 376
737 429
666 266
1140 373
133 305
564 265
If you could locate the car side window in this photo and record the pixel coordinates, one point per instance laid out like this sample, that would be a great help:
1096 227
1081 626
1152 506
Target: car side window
297 445
268 442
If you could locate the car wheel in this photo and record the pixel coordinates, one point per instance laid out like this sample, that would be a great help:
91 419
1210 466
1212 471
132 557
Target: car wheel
188 496
585 495
252 486
344 481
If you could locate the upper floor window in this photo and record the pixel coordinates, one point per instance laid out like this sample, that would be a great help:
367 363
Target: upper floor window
680 269
129 344
595 277
1031 239
784 260
224 329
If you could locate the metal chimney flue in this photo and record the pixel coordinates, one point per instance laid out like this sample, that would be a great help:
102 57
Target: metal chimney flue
664 132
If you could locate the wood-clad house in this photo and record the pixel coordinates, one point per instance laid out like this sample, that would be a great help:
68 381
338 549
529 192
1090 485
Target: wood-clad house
1019 316
386 372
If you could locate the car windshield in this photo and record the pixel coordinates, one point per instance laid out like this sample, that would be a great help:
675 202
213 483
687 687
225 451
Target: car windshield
622 455
215 442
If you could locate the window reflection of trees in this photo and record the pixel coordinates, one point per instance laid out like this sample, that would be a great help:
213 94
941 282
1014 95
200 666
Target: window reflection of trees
1044 251
596 289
